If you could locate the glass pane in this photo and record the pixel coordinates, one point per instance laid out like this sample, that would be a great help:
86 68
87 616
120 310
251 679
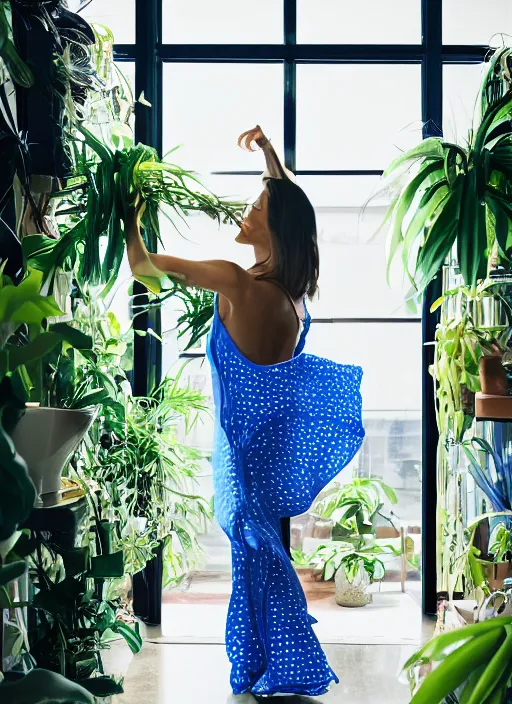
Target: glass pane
223 22
352 280
477 22
461 87
371 22
346 120
207 106
117 15
390 354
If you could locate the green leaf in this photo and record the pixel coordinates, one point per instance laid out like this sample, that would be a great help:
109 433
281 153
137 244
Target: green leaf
431 148
329 571
439 239
76 338
130 635
24 303
501 223
442 645
403 205
455 669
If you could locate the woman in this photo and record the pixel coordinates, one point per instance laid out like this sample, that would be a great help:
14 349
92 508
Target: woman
286 424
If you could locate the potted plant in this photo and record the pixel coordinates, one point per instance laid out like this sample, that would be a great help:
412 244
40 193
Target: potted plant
45 437
353 557
354 565
16 501
456 195
353 508
500 547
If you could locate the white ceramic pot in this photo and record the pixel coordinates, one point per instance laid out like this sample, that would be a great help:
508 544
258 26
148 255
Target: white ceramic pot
46 438
352 593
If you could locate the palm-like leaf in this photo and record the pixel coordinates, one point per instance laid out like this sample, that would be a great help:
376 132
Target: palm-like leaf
453 195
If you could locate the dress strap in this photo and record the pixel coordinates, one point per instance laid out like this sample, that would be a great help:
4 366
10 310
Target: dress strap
279 285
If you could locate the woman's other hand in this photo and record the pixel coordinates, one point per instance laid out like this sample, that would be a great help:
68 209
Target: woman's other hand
256 135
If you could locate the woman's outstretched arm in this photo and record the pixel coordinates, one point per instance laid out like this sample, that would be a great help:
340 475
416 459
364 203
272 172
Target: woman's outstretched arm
215 275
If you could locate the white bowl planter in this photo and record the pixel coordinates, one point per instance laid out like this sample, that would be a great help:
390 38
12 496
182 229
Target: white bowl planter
46 438
352 593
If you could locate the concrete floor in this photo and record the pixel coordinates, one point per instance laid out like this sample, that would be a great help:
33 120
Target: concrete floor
199 674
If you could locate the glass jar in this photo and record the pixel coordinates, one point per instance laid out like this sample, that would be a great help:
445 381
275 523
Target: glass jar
353 593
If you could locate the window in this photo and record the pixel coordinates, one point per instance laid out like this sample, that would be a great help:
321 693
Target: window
223 22
476 22
340 112
117 15
371 22
461 83
345 119
207 105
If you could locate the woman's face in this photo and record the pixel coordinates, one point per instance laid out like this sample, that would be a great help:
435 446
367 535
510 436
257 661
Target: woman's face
254 227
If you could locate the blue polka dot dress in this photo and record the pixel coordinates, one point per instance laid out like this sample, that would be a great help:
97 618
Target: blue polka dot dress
282 433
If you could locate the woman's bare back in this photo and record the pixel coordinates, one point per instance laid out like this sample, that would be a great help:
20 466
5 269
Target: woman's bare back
265 322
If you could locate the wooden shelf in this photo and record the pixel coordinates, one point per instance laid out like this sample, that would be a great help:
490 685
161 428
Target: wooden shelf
497 408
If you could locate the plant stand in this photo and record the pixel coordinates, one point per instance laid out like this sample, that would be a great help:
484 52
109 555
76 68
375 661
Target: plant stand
147 590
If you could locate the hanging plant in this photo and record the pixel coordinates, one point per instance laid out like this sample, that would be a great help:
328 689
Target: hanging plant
450 195
111 181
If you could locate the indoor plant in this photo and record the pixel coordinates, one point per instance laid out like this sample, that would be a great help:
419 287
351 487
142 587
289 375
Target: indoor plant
16 501
26 339
353 508
138 473
474 665
449 195
354 565
353 557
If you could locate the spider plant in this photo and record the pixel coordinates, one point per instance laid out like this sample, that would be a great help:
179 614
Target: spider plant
456 195
138 473
195 320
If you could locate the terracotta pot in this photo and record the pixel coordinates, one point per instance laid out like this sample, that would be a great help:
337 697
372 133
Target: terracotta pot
46 438
493 377
497 572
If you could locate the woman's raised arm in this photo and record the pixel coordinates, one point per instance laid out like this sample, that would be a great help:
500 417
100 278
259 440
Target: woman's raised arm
274 167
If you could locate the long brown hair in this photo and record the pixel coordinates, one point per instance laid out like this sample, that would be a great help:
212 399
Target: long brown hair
292 222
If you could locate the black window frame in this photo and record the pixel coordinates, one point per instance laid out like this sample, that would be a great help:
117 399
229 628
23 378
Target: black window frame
149 53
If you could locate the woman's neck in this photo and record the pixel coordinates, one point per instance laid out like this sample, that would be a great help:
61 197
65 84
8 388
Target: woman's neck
263 257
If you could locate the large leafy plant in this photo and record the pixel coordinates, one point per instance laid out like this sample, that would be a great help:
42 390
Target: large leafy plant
353 509
473 665
26 336
458 196
459 345
16 501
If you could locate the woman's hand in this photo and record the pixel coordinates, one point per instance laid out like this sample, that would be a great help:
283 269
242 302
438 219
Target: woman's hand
255 135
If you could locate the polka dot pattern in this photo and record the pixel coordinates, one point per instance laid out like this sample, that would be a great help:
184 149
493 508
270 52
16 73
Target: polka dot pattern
282 432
